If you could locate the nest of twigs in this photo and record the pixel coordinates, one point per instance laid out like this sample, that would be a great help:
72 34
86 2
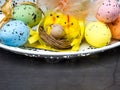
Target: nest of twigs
52 41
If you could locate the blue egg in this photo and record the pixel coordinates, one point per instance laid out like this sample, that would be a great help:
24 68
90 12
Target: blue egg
14 33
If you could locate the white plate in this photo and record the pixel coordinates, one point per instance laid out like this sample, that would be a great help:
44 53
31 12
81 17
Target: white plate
85 50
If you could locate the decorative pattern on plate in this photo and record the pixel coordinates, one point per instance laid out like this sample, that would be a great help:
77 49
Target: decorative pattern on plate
85 50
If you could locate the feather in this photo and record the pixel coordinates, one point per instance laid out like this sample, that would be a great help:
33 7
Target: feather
78 8
95 6
49 4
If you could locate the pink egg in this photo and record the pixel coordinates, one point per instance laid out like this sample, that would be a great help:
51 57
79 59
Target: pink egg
108 11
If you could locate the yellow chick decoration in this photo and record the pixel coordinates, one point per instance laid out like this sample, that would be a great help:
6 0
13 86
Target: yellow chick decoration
61 29
71 30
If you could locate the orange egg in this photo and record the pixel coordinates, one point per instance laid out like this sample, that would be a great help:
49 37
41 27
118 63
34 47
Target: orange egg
115 28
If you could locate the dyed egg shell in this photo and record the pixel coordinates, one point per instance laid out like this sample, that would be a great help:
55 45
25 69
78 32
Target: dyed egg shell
115 28
14 33
97 34
108 11
28 14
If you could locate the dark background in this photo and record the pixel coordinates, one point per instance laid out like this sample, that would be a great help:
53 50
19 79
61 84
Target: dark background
95 72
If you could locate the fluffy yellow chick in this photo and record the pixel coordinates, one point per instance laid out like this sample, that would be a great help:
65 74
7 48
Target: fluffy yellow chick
72 29
63 25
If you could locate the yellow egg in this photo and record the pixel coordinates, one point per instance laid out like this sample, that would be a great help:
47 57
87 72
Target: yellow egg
97 34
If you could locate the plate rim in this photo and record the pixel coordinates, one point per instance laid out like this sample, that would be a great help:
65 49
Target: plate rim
42 52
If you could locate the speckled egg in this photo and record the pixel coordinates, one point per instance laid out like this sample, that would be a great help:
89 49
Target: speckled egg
14 33
57 31
27 13
115 28
97 34
108 11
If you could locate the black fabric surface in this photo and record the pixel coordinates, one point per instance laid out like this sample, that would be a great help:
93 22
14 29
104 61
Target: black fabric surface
95 72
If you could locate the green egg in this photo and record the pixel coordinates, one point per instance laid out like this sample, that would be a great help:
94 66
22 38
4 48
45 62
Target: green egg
27 13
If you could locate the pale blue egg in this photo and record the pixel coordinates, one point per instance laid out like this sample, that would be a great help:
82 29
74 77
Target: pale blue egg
14 33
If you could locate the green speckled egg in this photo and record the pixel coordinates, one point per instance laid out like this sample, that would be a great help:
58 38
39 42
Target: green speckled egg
97 34
29 14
